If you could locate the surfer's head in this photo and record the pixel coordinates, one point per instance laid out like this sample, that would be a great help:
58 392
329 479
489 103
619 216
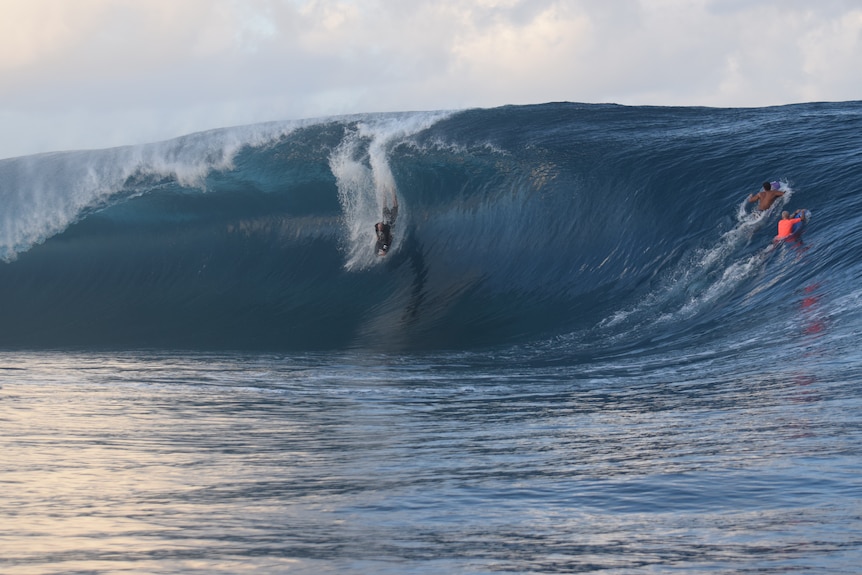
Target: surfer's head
767 186
785 215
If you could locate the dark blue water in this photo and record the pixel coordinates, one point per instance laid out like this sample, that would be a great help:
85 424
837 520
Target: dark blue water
582 354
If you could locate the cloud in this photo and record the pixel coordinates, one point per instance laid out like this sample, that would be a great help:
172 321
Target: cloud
94 73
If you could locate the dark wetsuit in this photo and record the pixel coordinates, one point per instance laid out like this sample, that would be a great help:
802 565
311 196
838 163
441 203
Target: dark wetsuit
384 234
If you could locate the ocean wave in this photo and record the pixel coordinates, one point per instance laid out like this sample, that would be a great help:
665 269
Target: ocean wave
587 226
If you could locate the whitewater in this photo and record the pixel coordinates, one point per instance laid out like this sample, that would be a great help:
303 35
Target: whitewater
584 351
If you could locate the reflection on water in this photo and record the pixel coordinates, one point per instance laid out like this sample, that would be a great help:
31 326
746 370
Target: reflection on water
221 464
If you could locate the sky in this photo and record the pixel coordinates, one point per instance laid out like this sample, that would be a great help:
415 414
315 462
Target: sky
83 74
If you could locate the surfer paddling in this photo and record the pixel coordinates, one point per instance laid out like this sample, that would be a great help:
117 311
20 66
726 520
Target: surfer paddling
383 229
789 224
765 197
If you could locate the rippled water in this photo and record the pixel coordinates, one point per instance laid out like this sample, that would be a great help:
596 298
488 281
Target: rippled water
135 463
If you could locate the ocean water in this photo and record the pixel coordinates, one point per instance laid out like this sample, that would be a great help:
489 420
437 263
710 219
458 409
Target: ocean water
584 352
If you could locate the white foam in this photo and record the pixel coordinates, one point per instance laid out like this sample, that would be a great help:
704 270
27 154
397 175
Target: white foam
365 181
44 194
708 274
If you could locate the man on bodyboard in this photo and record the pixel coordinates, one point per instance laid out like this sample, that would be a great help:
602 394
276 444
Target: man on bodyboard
791 226
383 229
766 197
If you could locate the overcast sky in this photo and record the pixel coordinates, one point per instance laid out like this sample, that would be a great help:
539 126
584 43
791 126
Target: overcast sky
99 73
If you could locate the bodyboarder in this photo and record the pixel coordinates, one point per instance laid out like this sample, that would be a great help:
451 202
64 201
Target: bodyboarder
383 228
765 197
789 224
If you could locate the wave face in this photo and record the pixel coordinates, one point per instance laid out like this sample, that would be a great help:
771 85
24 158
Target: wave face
565 228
